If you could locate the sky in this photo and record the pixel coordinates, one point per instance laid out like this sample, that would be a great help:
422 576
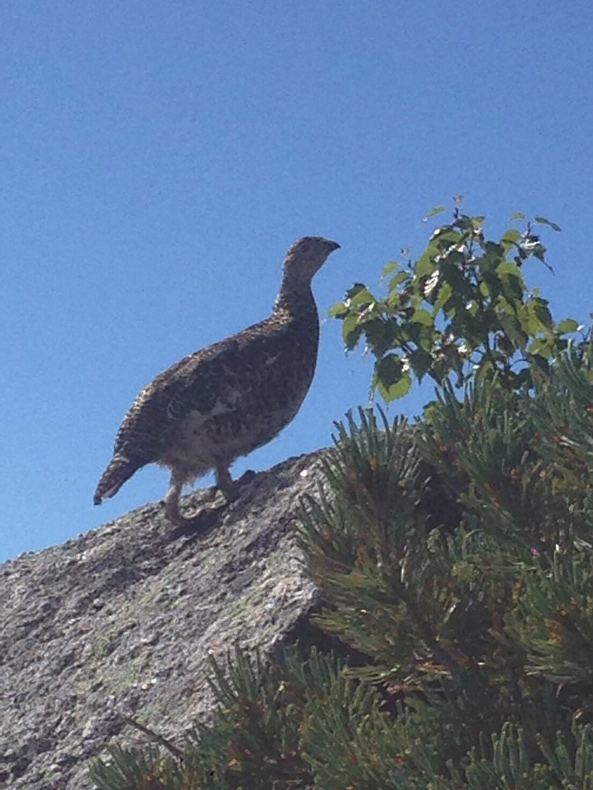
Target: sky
158 159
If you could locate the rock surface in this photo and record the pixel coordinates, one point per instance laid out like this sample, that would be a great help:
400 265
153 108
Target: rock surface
121 620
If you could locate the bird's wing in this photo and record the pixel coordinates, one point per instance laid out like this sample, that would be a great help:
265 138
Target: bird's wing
220 378
209 381
204 380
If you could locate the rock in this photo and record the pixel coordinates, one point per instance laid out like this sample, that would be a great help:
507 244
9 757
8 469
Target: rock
121 622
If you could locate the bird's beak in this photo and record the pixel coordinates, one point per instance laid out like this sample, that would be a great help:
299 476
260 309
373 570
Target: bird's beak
333 245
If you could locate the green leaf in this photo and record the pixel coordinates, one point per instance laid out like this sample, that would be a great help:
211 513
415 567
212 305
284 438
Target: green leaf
351 331
420 362
380 335
392 266
397 301
509 269
512 237
567 326
542 347
389 370
544 221
463 288
433 212
422 316
390 378
485 289
426 264
539 308
464 222
493 250
358 295
446 236
456 256
339 310
398 280
355 289
427 337
517 215
445 293
512 327
530 323
478 224
400 389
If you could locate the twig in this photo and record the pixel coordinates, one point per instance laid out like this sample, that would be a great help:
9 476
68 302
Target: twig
155 736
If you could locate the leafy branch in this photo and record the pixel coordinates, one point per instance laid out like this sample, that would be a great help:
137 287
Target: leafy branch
462 309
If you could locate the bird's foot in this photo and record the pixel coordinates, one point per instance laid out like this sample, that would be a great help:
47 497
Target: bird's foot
231 489
197 523
191 520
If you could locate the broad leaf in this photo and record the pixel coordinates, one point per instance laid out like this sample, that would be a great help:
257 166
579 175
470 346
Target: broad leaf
544 221
433 212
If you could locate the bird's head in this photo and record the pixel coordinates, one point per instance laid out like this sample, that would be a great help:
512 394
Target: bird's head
306 256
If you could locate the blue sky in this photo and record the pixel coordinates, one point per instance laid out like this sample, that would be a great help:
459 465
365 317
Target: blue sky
158 158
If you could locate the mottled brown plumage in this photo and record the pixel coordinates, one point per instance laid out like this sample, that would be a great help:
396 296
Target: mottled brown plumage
229 398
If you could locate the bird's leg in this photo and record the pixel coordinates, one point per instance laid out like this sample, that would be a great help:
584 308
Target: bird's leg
225 482
195 522
172 503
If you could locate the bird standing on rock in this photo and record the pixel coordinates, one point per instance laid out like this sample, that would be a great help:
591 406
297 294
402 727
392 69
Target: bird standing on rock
226 400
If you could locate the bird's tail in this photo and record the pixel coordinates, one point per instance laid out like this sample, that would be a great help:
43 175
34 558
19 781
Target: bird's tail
119 470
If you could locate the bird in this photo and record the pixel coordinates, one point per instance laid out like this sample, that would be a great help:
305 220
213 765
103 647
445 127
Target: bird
224 401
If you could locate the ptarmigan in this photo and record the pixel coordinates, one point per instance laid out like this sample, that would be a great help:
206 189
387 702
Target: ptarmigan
222 402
